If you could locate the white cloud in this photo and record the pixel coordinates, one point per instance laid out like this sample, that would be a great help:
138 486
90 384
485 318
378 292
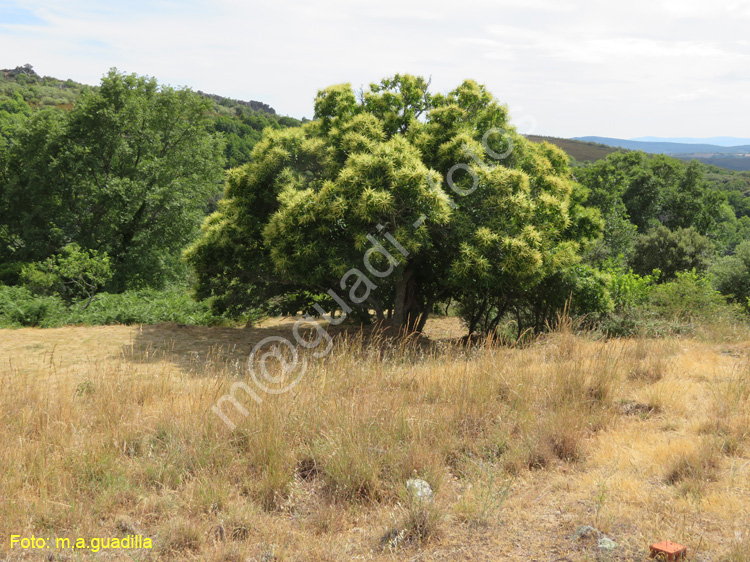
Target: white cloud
703 9
701 94
576 67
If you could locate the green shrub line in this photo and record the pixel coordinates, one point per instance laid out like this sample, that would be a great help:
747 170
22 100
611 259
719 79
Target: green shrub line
19 307
641 307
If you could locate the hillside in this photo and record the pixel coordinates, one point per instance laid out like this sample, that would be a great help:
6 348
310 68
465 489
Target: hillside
582 151
730 157
38 91
23 91
671 148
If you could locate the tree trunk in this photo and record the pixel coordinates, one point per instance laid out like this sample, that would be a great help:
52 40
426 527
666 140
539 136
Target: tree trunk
408 314
377 307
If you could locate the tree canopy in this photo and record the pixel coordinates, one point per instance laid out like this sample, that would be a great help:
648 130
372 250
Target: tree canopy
391 201
126 173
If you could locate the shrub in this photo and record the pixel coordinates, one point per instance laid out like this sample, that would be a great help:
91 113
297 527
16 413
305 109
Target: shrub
144 307
577 291
671 251
628 289
19 307
730 275
688 297
75 273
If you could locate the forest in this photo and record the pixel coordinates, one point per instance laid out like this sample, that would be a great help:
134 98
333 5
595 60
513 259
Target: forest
135 202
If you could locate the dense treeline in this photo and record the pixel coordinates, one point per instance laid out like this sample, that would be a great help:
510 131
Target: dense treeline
22 91
103 188
125 175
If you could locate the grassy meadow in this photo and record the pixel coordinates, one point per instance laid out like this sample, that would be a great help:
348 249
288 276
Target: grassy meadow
108 432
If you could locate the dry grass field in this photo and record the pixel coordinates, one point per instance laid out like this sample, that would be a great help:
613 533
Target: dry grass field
108 432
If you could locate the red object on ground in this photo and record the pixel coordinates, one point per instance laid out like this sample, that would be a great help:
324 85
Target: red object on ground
670 550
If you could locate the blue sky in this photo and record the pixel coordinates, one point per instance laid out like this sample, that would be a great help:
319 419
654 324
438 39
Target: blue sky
565 68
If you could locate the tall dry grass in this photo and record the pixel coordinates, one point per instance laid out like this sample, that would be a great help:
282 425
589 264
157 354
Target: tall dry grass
126 442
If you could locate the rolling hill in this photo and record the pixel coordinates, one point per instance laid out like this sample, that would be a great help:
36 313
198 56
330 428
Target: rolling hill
730 157
23 92
582 151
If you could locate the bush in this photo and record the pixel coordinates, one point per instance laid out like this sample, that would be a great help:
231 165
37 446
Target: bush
628 289
648 310
671 251
688 297
20 307
75 273
730 275
578 291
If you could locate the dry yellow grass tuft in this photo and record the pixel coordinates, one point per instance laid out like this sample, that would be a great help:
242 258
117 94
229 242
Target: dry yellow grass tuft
108 432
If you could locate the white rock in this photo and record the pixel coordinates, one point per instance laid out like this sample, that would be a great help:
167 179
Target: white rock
419 489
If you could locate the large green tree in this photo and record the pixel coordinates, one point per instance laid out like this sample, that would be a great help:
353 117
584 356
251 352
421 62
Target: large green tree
391 201
671 252
126 173
651 190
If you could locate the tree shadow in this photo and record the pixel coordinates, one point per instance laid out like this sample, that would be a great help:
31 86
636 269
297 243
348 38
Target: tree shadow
214 350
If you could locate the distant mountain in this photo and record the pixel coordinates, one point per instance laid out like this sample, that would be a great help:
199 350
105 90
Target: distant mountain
718 141
730 157
668 147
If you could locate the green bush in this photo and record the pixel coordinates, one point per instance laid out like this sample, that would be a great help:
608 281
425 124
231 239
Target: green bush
628 289
730 275
688 297
75 273
579 291
671 251
20 307
669 309
144 307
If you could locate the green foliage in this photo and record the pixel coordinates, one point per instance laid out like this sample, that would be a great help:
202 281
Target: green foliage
128 172
317 200
36 91
673 308
20 307
653 190
580 290
72 274
14 112
730 275
637 192
243 129
736 185
687 297
628 289
144 307
671 251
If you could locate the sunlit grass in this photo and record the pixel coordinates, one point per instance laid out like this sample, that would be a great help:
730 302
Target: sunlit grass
109 431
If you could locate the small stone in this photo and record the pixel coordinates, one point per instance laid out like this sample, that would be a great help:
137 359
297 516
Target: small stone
605 543
586 532
419 489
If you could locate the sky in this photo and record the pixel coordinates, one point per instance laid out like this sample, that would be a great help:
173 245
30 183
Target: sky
670 68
